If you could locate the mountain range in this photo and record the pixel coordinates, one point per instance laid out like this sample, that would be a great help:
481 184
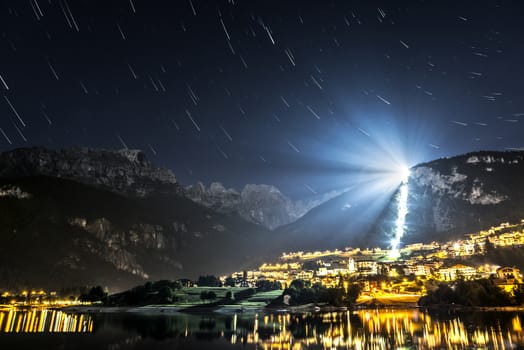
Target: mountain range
87 216
83 217
260 204
447 198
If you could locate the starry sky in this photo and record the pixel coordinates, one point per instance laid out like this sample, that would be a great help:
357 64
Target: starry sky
299 94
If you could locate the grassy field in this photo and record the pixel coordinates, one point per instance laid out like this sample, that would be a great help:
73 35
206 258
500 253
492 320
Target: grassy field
191 295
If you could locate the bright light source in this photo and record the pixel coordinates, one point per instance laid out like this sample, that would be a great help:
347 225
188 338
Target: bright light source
404 172
402 211
399 175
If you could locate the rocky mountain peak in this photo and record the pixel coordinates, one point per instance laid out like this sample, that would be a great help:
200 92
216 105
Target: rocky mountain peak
258 203
468 191
135 156
129 172
473 177
250 189
217 188
123 171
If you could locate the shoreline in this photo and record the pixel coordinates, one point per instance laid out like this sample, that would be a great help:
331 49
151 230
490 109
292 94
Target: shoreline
430 308
307 308
367 304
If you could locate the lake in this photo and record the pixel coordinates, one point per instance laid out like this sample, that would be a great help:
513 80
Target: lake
362 329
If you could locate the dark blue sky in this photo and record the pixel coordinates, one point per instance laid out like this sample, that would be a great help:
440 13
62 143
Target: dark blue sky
300 94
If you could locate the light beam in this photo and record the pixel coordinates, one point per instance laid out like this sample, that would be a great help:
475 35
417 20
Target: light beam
402 211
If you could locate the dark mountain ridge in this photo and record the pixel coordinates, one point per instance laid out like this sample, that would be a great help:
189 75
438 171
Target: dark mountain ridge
260 204
130 173
447 197
110 217
58 232
466 193
122 171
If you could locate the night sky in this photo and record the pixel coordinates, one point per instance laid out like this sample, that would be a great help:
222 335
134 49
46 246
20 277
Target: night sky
299 94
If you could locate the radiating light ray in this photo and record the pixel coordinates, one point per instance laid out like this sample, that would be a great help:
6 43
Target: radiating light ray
402 211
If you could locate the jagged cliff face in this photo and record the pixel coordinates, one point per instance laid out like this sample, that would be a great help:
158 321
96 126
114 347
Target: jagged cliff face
83 216
267 205
261 204
122 171
115 245
57 232
446 198
465 193
217 197
129 172
65 228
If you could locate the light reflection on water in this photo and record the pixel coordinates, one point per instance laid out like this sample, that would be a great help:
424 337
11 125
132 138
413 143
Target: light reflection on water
39 320
364 329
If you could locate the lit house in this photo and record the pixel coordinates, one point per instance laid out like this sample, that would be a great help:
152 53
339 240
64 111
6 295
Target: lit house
508 278
456 271
366 267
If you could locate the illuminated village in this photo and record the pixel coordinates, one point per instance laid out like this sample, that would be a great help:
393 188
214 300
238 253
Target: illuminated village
379 274
403 279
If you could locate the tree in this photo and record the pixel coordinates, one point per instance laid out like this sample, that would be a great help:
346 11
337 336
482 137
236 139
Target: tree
185 282
165 295
518 294
299 293
229 282
265 285
166 283
209 281
353 293
482 292
489 248
95 294
298 284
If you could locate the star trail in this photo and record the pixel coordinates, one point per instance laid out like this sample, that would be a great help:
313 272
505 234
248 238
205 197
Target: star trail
300 94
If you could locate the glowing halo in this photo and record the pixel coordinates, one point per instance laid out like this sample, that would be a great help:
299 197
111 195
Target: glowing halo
369 155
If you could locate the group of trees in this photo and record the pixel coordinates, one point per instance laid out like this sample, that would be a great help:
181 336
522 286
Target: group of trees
159 292
481 292
209 281
165 292
300 293
95 294
262 285
266 286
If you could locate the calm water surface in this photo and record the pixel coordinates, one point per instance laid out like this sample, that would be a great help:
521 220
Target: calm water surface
365 329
